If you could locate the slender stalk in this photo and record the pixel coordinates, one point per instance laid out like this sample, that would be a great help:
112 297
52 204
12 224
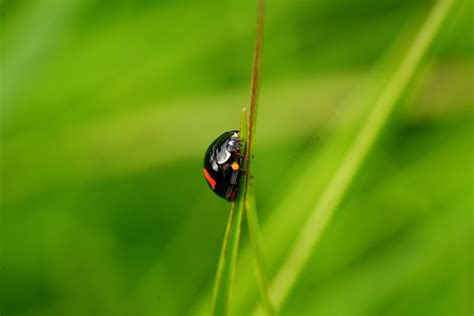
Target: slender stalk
257 245
228 257
311 232
227 260
249 195
256 78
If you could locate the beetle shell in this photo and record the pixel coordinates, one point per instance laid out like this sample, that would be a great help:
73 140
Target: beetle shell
222 165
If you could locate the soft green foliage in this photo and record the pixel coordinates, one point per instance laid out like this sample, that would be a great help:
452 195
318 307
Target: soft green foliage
331 197
106 110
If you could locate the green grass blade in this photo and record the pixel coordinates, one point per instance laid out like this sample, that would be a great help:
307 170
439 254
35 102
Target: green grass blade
256 77
311 232
249 195
228 257
257 245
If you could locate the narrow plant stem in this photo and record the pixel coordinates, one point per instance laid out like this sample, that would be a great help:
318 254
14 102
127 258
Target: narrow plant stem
218 303
257 245
228 257
248 194
311 232
256 79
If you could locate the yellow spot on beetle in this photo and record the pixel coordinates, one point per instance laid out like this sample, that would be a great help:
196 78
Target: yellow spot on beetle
235 166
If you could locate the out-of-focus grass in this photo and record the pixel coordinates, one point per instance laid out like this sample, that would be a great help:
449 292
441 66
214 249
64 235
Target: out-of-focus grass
311 232
103 206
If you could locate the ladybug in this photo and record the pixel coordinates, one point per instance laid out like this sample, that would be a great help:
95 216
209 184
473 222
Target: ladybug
222 165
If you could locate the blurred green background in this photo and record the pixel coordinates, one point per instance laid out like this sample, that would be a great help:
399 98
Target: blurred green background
107 108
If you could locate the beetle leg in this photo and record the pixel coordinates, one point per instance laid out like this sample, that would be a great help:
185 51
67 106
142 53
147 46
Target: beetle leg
233 178
230 194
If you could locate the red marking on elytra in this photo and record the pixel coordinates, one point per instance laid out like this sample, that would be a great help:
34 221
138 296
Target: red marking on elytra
209 179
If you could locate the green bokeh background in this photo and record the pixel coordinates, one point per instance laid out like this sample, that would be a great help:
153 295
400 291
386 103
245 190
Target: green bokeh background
108 106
